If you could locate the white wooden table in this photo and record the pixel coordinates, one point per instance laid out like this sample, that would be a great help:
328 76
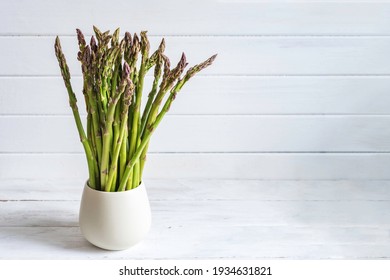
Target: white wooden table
209 219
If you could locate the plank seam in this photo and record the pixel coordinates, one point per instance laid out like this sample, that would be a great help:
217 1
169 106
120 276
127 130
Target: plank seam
274 35
2 153
281 75
213 76
40 115
209 200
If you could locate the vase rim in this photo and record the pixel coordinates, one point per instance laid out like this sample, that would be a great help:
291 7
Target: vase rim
140 186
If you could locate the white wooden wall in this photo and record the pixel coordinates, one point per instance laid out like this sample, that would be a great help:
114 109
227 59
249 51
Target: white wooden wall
300 89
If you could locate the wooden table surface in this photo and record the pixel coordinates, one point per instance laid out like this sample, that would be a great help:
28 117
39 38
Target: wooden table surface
208 219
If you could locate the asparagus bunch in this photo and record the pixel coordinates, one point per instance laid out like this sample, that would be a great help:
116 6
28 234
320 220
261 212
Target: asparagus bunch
117 133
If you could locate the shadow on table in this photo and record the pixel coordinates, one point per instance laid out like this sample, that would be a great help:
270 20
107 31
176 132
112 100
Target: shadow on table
39 240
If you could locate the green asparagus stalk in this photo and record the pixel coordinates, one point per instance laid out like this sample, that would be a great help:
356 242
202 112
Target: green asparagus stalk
134 140
131 56
94 101
152 127
73 104
190 73
139 150
123 151
117 114
124 114
86 56
158 61
104 60
107 133
169 77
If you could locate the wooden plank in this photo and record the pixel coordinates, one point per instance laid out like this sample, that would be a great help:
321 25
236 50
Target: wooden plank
213 213
207 242
265 166
237 55
224 95
251 227
200 17
214 134
209 189
236 229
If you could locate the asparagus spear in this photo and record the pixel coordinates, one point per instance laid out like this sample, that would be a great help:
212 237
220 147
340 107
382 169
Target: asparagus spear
169 77
152 127
86 57
114 80
131 56
103 61
157 57
134 140
107 132
73 104
114 163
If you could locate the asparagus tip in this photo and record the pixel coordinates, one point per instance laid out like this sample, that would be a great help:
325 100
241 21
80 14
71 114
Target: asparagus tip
87 57
115 37
182 63
98 33
128 36
145 46
135 39
126 70
93 44
57 46
161 48
212 58
80 37
199 67
97 30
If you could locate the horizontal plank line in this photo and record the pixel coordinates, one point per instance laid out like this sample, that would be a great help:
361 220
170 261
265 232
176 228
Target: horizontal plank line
333 2
73 181
40 226
383 75
251 180
211 199
215 153
213 115
211 76
287 35
219 115
249 226
227 226
37 200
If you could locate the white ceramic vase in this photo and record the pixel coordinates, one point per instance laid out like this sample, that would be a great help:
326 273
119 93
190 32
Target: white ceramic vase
115 220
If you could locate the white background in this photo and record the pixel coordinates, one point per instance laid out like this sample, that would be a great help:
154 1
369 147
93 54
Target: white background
300 89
